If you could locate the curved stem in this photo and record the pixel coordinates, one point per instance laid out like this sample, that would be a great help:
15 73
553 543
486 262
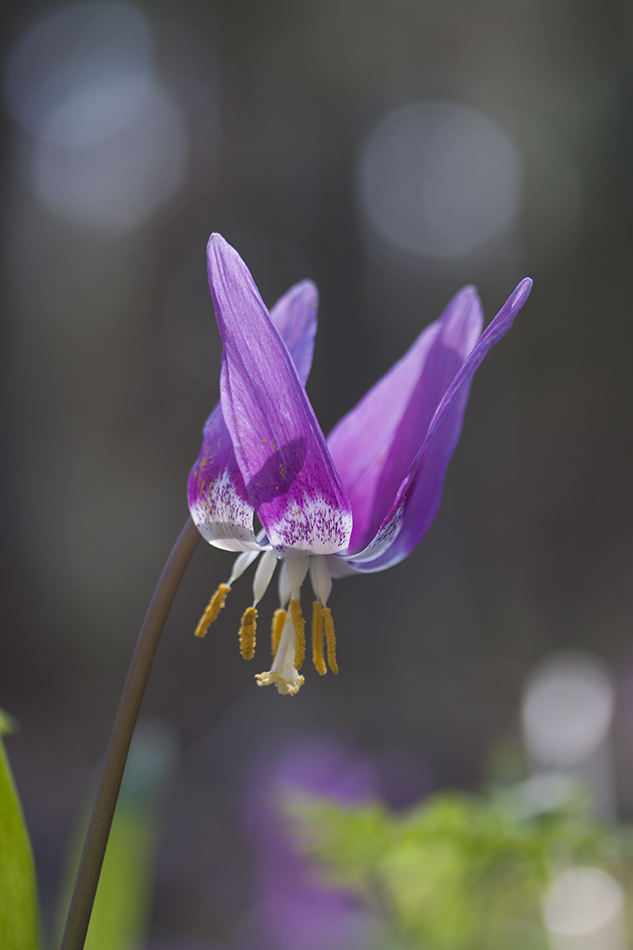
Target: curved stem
116 757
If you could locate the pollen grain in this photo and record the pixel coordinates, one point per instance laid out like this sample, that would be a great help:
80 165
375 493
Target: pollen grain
279 620
214 607
300 637
247 633
317 638
330 639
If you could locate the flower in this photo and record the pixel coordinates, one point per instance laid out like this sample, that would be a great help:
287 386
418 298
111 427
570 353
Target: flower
360 501
293 907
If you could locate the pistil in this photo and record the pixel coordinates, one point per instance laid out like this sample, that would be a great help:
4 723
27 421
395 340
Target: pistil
283 673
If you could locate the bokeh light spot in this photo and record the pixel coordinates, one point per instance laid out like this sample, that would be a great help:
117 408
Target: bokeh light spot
116 184
439 179
66 51
109 144
567 710
584 902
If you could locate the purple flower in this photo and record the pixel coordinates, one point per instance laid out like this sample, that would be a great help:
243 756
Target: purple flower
360 501
293 907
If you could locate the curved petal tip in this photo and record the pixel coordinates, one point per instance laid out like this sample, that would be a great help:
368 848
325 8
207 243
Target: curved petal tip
521 293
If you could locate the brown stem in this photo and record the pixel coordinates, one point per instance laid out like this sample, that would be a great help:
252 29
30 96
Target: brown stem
116 757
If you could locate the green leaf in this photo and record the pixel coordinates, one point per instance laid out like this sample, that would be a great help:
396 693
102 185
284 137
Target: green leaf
123 902
19 918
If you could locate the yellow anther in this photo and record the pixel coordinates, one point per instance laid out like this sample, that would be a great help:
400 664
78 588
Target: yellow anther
317 638
279 619
330 639
247 633
300 637
214 607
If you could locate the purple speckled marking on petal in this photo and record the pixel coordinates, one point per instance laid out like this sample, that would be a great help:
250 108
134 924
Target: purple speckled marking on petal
374 445
218 500
280 449
420 494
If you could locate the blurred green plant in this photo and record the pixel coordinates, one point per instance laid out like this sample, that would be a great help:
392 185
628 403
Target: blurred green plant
121 912
122 906
458 872
19 918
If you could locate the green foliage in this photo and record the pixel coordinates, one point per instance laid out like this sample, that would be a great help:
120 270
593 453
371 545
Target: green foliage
122 905
457 872
19 922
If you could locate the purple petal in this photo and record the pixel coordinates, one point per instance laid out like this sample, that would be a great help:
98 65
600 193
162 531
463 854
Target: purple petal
280 449
218 500
419 496
374 445
295 316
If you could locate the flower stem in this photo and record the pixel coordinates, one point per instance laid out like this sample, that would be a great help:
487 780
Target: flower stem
116 757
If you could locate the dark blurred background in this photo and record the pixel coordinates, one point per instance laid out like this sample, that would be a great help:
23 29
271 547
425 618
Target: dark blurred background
392 152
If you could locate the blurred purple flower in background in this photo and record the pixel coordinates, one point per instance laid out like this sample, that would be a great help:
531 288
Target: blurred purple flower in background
360 501
289 906
292 909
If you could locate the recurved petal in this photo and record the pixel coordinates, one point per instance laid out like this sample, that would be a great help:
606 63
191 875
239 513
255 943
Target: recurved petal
218 500
374 445
419 496
281 452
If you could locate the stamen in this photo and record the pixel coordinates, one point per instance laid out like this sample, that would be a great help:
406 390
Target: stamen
279 619
284 584
214 607
242 561
263 575
300 638
331 639
317 638
247 633
320 578
297 568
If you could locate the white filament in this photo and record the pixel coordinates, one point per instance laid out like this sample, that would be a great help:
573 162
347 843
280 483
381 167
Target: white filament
320 579
243 561
284 585
297 568
263 575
